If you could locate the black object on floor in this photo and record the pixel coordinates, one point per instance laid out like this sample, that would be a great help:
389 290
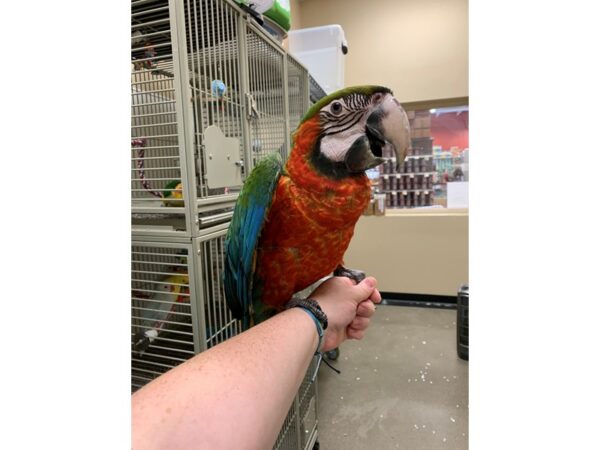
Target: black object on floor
462 322
418 300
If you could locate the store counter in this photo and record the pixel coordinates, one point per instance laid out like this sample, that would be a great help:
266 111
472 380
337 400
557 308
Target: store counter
413 251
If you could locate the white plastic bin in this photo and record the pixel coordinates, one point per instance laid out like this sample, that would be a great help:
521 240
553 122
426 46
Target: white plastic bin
320 50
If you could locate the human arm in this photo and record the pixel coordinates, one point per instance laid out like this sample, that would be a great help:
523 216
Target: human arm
236 395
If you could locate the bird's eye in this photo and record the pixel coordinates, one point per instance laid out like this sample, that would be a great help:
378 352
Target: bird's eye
377 98
336 107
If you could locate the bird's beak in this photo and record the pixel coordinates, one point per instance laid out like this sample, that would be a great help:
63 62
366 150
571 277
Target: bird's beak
387 125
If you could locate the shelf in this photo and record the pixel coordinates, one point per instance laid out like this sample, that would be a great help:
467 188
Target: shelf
419 156
420 208
429 155
426 191
400 174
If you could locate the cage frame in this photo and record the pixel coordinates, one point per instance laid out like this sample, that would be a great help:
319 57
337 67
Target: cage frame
202 212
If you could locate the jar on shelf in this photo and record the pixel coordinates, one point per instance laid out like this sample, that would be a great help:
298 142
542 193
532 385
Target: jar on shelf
380 204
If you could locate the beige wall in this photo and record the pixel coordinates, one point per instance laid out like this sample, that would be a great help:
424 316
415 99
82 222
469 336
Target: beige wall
418 48
295 14
414 253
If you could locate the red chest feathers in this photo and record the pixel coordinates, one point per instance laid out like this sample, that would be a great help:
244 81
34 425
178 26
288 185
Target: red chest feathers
306 235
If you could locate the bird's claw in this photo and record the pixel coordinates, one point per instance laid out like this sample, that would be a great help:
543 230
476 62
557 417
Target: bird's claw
355 275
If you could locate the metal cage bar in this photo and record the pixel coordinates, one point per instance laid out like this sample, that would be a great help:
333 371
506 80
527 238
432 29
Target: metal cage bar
298 92
267 91
218 323
300 427
214 74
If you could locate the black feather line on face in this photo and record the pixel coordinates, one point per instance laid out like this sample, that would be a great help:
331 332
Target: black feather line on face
347 122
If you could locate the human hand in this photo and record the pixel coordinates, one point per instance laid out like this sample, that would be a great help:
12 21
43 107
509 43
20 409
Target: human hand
348 307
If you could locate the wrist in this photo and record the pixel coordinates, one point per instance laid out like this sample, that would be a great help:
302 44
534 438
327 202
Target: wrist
318 327
312 306
318 338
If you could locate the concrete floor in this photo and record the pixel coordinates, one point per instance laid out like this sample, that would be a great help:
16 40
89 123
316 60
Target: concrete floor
403 386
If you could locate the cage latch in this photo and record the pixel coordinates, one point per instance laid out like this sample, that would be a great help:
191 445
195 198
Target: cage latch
251 107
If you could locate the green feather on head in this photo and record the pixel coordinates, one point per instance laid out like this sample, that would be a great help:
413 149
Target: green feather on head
365 90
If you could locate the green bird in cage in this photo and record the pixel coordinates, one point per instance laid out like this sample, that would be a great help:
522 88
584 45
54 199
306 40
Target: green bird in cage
173 193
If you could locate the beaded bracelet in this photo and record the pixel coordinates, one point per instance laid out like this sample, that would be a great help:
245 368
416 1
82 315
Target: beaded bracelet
313 309
312 306
318 325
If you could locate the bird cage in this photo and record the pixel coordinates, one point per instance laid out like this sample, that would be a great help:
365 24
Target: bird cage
186 102
209 100
219 324
157 144
267 98
210 58
178 306
163 309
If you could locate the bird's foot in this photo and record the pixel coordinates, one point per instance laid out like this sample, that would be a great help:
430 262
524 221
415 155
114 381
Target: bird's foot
355 275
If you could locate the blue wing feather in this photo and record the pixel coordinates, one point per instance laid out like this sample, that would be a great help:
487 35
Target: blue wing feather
249 216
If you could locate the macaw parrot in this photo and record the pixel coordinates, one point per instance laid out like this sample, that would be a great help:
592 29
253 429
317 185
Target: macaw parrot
292 225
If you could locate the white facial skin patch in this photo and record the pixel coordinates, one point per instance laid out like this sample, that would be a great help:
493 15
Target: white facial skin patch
335 146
